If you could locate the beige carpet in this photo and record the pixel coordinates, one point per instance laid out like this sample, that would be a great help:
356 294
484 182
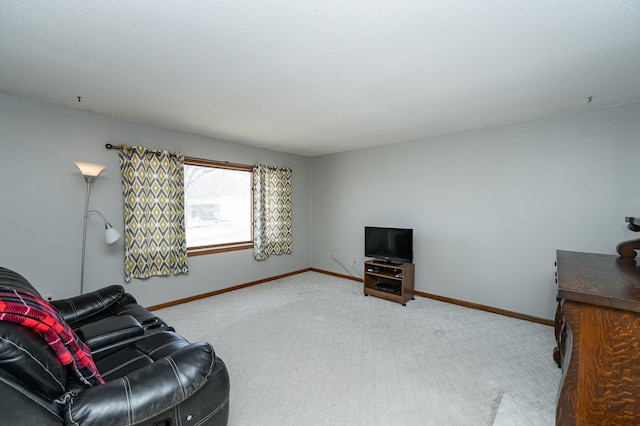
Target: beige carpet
311 349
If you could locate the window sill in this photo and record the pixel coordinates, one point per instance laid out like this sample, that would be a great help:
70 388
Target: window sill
199 251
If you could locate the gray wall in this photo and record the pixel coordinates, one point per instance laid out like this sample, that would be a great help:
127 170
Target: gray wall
43 196
489 207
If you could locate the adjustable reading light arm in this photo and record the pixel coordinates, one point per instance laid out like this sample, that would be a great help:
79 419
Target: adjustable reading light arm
111 234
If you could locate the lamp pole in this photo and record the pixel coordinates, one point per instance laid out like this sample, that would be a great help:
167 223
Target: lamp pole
89 172
88 179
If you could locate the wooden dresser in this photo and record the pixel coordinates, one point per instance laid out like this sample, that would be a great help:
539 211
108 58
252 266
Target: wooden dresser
598 335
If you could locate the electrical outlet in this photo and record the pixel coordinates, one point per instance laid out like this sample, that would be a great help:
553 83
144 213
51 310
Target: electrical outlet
355 260
49 297
333 256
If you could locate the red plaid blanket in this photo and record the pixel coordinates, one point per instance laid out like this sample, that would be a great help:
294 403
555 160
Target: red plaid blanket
28 310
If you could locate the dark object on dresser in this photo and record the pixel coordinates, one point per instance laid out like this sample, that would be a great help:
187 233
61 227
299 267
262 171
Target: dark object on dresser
598 335
627 249
152 375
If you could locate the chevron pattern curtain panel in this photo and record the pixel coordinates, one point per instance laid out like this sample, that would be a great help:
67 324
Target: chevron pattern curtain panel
154 231
271 211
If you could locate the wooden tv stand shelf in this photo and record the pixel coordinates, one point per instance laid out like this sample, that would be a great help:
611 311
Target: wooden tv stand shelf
389 281
598 335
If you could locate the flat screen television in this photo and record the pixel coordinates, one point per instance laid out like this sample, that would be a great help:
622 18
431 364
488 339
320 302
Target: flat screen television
394 245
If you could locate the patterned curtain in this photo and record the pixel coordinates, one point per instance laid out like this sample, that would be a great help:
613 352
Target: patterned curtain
271 211
153 191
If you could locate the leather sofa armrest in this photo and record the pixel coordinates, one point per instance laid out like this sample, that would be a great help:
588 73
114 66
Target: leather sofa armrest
85 305
105 332
146 392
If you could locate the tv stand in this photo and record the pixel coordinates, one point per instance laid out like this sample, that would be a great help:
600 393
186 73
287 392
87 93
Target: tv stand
389 281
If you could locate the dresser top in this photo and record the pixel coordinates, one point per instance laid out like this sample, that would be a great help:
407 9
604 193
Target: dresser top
599 279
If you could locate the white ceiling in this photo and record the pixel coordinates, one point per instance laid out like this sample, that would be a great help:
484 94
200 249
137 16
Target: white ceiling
324 76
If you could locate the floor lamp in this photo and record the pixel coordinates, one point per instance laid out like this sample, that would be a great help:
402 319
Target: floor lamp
90 172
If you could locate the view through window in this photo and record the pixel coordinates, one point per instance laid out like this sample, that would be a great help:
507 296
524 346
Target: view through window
218 206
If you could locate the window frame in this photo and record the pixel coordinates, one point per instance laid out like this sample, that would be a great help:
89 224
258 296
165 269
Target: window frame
226 247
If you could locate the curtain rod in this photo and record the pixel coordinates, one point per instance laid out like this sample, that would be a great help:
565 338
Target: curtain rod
157 152
154 151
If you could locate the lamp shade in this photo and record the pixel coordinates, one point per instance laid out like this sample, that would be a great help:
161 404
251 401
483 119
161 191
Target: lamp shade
89 169
111 234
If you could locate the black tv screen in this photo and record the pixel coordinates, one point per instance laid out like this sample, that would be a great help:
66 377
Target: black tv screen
389 244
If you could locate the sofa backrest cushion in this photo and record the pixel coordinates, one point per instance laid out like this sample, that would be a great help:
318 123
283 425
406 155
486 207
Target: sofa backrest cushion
28 358
89 306
10 278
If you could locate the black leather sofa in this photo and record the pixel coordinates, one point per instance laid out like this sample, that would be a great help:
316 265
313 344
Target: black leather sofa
152 375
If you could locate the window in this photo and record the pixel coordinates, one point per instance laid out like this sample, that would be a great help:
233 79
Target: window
218 206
